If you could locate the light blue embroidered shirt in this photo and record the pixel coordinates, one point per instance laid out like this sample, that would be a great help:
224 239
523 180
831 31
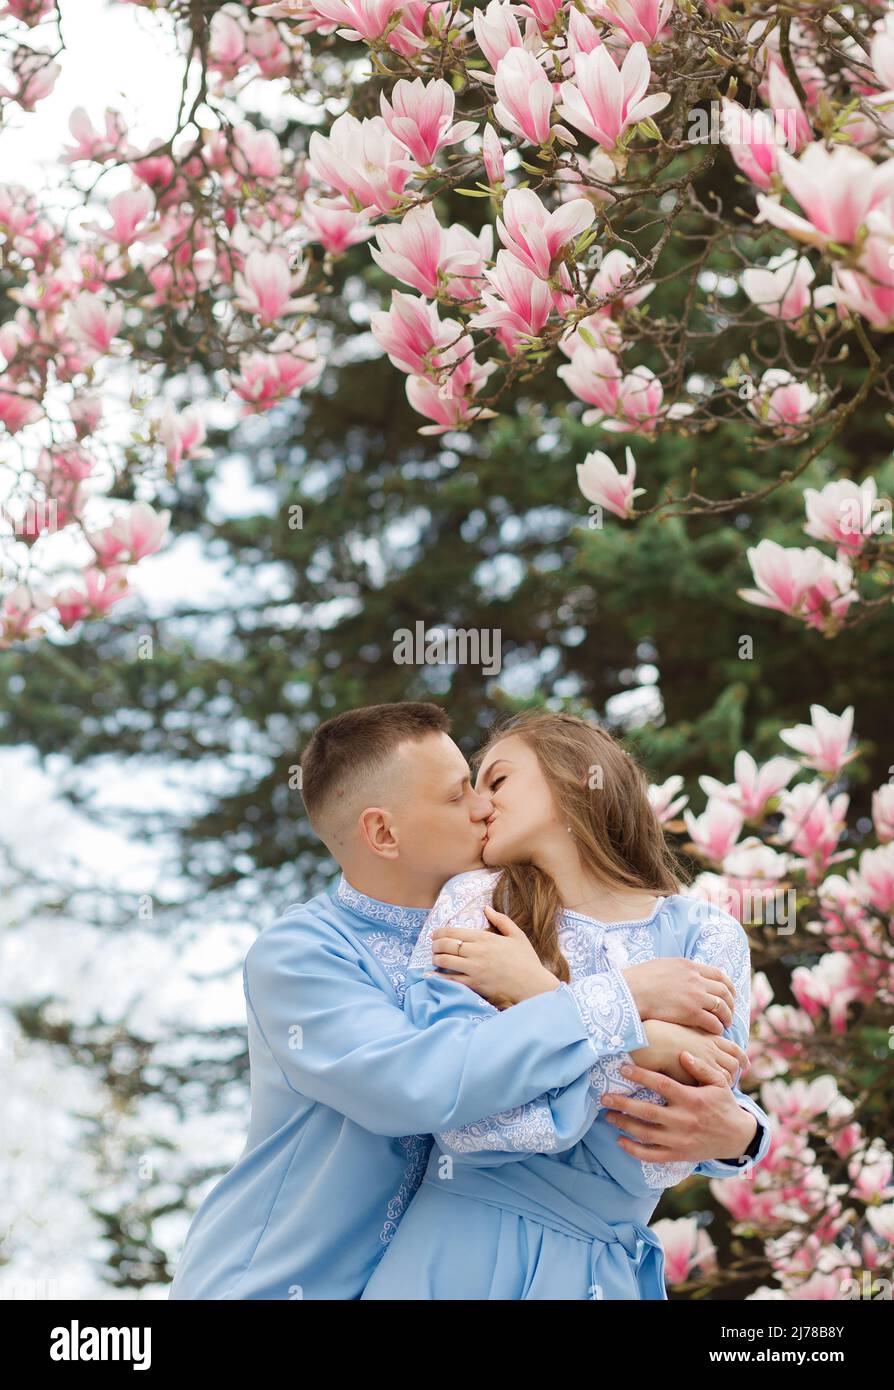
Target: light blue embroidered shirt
346 1091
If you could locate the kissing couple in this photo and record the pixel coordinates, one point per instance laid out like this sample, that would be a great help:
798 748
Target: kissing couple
479 1060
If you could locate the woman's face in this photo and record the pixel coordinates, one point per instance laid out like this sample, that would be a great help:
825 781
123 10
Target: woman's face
524 817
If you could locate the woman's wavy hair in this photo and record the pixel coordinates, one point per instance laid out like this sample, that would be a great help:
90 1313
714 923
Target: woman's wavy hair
600 792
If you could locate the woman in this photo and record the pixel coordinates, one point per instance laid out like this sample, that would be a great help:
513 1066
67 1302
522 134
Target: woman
543 1202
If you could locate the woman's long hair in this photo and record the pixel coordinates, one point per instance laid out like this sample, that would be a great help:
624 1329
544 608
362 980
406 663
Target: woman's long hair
601 793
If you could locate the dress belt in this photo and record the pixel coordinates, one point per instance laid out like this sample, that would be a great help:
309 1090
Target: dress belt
565 1199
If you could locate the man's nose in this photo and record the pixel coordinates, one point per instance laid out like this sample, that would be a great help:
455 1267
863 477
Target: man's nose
482 807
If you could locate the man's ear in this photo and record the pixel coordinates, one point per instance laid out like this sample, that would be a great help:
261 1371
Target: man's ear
377 833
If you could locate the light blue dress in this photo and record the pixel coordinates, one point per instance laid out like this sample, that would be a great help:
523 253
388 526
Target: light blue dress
347 1090
540 1201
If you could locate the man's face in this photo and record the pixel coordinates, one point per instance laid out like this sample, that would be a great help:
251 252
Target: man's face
440 819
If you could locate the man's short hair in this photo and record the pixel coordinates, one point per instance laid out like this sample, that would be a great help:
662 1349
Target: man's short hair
348 750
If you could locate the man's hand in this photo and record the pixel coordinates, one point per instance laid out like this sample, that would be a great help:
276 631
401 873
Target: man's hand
697 1123
684 991
501 964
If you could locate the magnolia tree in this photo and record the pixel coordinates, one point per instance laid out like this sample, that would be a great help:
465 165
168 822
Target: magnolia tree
817 1215
592 133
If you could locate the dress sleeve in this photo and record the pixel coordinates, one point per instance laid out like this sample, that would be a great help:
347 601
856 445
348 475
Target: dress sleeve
722 941
558 1118
337 1038
718 940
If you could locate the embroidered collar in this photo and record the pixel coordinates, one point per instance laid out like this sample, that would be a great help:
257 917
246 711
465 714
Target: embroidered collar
406 919
609 926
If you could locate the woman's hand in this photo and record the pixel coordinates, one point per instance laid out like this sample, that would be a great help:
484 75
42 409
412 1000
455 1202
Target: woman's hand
668 1040
501 965
682 991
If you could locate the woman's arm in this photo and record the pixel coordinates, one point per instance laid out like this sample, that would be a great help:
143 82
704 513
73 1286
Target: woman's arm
557 1119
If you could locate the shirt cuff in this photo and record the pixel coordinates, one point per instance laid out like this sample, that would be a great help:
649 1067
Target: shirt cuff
756 1151
609 1012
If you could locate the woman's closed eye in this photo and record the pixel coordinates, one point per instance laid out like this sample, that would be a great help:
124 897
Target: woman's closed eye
496 782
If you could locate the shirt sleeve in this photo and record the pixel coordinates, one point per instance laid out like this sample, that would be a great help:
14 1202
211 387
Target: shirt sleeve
338 1038
557 1119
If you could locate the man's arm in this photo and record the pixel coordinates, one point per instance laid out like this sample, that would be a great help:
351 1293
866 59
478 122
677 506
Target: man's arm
720 941
339 1039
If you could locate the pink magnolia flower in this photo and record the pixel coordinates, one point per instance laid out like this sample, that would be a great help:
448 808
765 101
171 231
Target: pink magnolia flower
641 20
543 11
604 102
781 288
812 824
492 153
639 405
881 1219
256 153
226 44
102 589
471 254
783 402
129 212
267 377
876 877
823 743
882 51
420 116
517 304
416 250
804 583
883 812
843 512
30 12
452 404
870 1171
616 268
836 189
868 287
362 19
362 160
754 786
524 97
716 830
537 237
754 140
788 113
829 986
497 31
420 21
20 612
413 335
266 286
688 1249
593 375
597 330
97 324
91 144
140 530
17 407
182 435
582 37
600 482
664 800
33 76
334 224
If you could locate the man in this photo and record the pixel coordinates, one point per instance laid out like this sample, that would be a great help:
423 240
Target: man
345 1091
